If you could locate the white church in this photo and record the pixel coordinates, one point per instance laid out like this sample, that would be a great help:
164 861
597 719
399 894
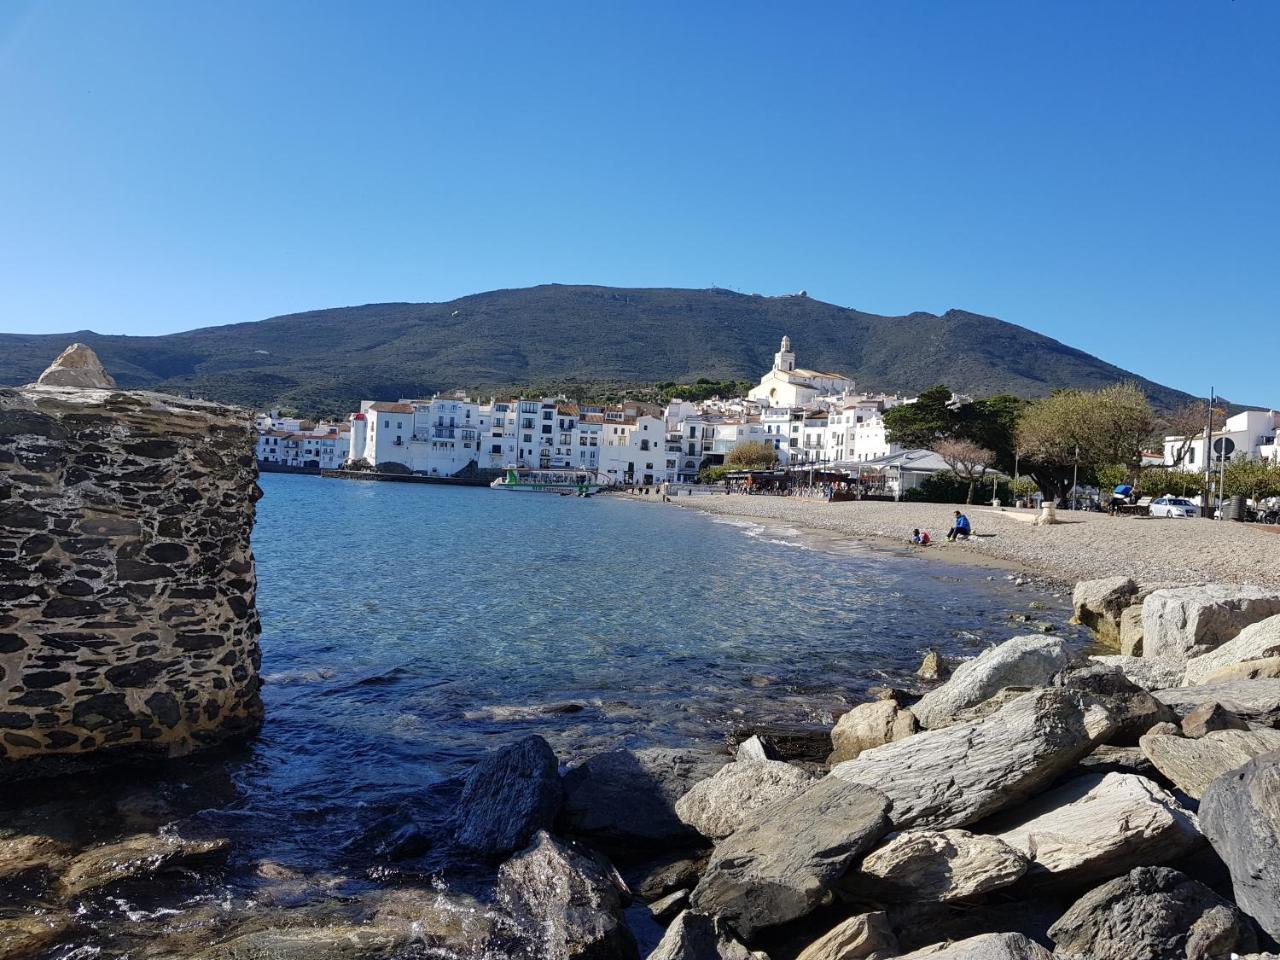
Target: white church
787 385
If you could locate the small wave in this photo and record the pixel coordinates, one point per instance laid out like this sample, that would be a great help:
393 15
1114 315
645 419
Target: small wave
299 675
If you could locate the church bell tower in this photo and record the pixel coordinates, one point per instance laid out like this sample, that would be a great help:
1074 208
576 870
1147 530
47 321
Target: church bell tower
784 359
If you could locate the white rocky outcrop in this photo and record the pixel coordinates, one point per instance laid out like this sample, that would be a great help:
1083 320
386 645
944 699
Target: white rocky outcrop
1257 641
717 806
77 366
1179 622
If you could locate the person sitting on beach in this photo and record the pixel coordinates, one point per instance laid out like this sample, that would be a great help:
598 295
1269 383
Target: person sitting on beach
960 529
920 537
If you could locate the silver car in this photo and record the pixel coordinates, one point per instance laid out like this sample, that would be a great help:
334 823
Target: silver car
1174 507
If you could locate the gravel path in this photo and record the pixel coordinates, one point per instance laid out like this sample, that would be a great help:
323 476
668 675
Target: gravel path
1086 545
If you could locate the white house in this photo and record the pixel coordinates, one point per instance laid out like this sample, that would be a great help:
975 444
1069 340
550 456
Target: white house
633 449
1250 435
787 385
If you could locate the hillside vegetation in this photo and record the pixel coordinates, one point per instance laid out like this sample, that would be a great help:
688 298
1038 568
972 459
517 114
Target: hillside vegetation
325 361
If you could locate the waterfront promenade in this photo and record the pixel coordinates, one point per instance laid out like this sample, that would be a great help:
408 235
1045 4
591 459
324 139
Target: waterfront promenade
1084 545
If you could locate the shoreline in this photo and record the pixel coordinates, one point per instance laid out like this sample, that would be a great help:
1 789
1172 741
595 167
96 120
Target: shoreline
1082 547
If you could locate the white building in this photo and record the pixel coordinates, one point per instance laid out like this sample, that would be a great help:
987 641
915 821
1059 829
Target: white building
633 449
787 385
436 437
1250 435
312 447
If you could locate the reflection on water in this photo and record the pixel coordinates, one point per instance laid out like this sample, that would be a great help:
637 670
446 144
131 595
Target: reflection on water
408 628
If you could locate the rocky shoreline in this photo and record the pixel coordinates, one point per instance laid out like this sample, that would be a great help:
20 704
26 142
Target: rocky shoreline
1032 803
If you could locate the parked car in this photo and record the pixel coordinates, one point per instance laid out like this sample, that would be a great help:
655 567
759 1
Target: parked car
1173 507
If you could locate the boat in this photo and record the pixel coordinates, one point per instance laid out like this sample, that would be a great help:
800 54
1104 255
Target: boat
581 483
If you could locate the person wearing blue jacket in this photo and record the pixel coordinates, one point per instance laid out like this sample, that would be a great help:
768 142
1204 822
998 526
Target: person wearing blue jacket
960 529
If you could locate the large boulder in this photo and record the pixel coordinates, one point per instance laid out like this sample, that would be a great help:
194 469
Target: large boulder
870 725
697 936
958 775
1240 814
1098 605
864 936
1255 642
986 946
1193 764
938 865
1097 826
626 799
1149 674
1028 661
717 806
1178 620
77 366
1254 701
1152 913
781 863
568 902
509 795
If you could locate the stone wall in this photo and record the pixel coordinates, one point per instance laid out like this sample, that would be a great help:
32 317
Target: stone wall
127 617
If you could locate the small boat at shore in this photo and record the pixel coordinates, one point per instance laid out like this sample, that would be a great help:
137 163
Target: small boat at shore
579 483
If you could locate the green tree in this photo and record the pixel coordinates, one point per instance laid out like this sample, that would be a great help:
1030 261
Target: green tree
924 422
1163 481
1251 478
1088 429
752 455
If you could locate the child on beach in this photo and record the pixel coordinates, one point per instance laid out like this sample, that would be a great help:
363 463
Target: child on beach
920 537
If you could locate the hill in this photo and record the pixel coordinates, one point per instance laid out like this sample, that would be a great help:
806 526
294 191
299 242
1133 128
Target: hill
324 361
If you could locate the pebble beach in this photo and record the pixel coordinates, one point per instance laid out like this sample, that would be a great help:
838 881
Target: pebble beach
1079 547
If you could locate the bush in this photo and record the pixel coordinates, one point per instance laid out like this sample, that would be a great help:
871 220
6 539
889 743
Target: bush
946 487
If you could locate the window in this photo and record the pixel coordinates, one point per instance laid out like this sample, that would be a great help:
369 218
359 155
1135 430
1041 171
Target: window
546 428
1191 456
528 438
387 424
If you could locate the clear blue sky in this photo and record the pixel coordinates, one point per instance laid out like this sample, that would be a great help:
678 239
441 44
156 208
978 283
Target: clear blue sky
1107 173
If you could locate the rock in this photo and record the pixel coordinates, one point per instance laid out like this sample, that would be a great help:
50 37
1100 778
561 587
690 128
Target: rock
657 880
1098 605
25 938
870 725
717 806
1131 631
933 667
1112 759
781 863
938 865
1257 641
341 941
568 902
1209 717
77 366
865 936
753 748
1023 661
136 856
991 705
1176 620
1134 710
664 909
696 936
987 946
1097 826
627 799
1144 672
23 852
958 775
1257 702
1152 913
509 795
1240 814
1265 669
792 742
1194 764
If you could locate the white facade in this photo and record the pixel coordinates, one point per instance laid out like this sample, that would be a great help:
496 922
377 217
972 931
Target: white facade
436 437
1250 435
317 447
634 449
787 385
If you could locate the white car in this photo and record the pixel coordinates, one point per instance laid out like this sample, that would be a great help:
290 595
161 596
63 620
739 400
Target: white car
1173 507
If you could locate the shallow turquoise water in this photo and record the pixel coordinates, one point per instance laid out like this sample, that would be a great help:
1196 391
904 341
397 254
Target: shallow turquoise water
399 621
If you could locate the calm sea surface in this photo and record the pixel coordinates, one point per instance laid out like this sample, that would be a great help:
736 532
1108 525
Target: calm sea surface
408 628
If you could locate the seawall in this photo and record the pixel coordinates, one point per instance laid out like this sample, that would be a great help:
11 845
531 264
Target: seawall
127 616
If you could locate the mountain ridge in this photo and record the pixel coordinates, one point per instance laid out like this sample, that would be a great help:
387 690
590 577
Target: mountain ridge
330 358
